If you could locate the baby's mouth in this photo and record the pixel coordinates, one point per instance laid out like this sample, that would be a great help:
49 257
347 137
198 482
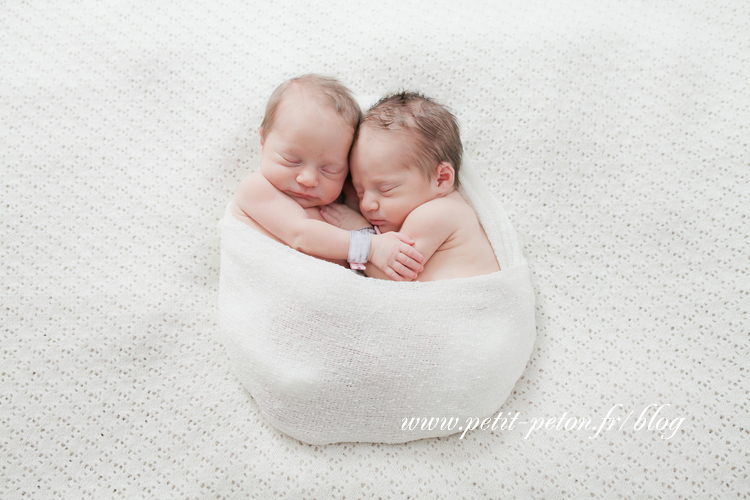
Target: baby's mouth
302 195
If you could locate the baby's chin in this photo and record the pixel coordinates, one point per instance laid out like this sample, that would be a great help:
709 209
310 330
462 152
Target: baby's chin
310 203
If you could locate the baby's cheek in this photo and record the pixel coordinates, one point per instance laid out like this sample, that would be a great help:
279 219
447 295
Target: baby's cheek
336 188
329 196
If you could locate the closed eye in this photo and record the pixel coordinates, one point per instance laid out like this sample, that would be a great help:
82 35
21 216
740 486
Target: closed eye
333 169
290 159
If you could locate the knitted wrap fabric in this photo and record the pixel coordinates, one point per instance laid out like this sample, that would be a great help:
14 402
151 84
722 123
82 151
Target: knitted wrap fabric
331 356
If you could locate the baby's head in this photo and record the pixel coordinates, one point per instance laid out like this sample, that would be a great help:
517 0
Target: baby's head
305 138
407 151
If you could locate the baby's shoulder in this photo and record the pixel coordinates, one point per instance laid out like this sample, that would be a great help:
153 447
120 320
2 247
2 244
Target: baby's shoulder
256 187
452 204
451 210
250 180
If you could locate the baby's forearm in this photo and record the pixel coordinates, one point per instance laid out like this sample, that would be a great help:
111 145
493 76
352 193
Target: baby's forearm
320 239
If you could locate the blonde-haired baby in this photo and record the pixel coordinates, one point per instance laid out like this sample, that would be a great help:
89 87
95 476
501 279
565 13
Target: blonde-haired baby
404 167
305 139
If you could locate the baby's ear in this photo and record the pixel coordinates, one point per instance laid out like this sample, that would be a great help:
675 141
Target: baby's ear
445 176
262 136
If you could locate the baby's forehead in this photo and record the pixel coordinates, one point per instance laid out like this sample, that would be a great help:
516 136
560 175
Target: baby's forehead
375 133
382 174
394 145
294 103
371 176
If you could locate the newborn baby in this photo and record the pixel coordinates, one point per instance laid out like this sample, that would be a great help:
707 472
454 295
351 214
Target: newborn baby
305 139
404 167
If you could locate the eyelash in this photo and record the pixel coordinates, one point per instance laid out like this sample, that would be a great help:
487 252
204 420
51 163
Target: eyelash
292 162
295 163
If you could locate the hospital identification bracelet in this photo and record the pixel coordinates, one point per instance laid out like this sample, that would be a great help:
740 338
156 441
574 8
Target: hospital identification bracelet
359 247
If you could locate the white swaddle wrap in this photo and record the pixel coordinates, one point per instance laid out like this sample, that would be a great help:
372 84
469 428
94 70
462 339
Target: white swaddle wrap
330 356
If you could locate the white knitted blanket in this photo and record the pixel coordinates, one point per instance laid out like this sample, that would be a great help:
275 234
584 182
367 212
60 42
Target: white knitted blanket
331 356
614 133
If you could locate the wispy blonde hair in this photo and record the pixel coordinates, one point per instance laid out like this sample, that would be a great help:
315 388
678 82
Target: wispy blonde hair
329 92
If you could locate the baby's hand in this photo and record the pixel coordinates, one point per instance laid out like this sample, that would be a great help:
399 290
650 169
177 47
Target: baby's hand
394 255
343 217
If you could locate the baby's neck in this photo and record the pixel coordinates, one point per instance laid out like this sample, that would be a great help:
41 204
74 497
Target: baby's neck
452 192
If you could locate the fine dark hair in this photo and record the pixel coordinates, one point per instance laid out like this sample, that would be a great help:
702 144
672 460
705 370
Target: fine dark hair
431 125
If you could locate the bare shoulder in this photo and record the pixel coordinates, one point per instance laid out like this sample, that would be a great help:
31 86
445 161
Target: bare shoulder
254 185
243 196
254 189
451 208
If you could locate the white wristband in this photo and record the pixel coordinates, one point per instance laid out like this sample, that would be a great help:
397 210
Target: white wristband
359 247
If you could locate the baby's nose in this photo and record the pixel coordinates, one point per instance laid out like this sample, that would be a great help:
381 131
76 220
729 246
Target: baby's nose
369 202
307 178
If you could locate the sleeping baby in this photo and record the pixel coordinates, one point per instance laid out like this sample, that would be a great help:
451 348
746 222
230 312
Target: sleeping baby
404 168
305 139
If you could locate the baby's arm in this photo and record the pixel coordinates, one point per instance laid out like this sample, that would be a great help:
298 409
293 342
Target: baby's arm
286 220
431 224
346 217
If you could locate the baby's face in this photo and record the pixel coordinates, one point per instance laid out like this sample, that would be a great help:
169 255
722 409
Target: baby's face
305 155
388 185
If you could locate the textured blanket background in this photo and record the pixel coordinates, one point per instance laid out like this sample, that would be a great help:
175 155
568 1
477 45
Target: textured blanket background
615 134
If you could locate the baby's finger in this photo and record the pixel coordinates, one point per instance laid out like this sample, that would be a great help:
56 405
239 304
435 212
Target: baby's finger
338 208
410 263
405 272
412 252
328 216
405 238
393 275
